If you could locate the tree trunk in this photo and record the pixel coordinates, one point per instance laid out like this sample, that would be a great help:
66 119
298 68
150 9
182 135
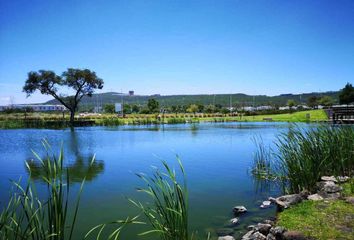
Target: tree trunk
72 115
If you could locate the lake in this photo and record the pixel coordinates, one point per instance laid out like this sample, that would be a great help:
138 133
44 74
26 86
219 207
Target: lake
216 157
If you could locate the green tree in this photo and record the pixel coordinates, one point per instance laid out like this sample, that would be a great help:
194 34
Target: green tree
312 101
210 108
291 103
193 108
326 101
346 95
82 81
135 108
153 105
200 107
109 108
127 108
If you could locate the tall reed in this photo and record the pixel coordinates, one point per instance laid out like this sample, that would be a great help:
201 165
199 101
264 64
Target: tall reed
302 156
166 214
27 216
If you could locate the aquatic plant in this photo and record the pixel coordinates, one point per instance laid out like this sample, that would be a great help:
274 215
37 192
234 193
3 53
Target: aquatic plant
27 216
302 156
166 214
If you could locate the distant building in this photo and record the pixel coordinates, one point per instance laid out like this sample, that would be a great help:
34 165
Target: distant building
34 107
284 108
249 109
260 108
131 93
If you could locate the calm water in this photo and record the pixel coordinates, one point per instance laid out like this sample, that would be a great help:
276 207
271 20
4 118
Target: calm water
216 158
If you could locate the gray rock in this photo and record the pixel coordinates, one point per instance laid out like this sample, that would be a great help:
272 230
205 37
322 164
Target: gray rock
286 200
224 232
251 227
265 204
234 220
248 235
267 221
240 209
271 237
226 238
328 187
263 228
257 236
304 194
315 197
329 196
328 178
343 179
277 231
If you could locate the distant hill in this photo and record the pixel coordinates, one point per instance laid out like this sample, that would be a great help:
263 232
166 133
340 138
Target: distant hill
237 99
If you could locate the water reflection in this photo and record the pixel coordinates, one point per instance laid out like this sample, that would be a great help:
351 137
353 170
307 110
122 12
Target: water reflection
79 168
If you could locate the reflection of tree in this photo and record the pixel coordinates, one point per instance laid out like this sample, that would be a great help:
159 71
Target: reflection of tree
79 169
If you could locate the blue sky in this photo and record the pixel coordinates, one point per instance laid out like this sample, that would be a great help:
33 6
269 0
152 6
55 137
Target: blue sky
180 47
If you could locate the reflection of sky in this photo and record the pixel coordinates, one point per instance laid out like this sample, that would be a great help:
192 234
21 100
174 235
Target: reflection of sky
216 158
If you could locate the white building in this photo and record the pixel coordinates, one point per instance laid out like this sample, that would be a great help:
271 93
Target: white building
260 108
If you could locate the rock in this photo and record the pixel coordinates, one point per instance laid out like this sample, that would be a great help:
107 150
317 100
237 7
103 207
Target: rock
265 204
277 232
343 179
226 238
234 220
328 187
349 200
304 194
328 178
294 235
224 232
251 227
315 197
291 199
281 205
286 200
267 221
248 235
271 237
263 228
329 196
257 236
239 209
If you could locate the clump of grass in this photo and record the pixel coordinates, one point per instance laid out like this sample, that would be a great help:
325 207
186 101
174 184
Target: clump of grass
302 156
166 214
176 120
262 166
27 216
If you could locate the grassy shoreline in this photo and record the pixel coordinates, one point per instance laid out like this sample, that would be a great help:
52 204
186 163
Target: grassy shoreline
325 219
37 120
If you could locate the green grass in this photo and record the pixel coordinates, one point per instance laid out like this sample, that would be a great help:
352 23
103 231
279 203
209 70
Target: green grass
315 115
319 219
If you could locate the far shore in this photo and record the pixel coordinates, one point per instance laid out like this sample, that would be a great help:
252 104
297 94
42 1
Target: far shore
47 120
